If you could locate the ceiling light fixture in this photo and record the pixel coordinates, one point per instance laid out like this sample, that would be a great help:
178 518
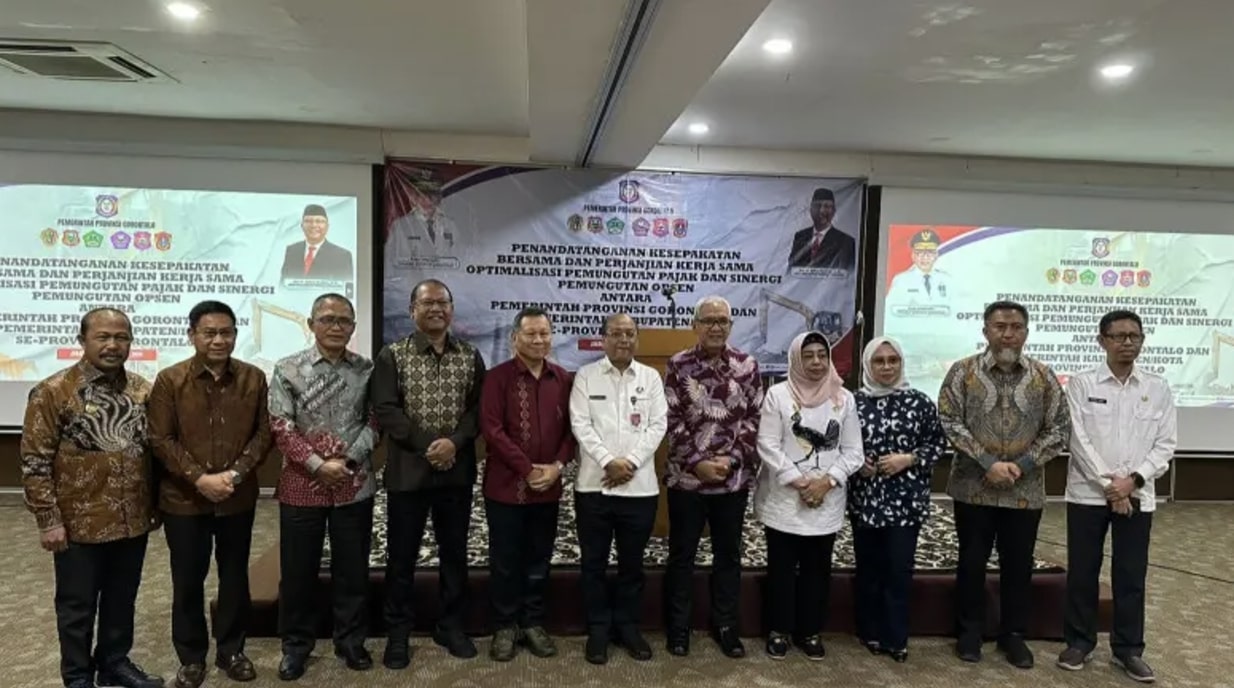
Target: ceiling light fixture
1118 70
778 46
183 11
699 128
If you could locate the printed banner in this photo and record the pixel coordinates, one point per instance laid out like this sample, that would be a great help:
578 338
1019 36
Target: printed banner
585 243
940 279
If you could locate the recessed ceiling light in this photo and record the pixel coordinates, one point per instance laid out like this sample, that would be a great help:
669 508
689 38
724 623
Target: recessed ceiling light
1118 70
183 11
699 128
778 46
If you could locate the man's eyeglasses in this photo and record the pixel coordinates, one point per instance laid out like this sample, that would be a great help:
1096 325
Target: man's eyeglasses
1131 338
333 320
442 304
714 322
226 334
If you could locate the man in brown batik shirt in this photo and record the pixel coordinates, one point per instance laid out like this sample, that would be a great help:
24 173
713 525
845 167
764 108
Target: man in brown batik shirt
210 429
86 472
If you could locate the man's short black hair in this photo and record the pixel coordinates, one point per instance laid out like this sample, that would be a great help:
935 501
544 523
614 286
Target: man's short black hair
95 312
1004 306
604 325
1114 316
530 312
415 291
210 308
331 297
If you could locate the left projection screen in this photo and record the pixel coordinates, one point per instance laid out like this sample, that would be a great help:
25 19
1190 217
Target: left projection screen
153 237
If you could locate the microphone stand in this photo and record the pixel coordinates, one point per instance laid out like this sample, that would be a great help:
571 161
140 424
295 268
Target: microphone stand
668 292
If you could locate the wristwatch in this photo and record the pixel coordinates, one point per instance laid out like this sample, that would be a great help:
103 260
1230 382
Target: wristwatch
236 478
1139 480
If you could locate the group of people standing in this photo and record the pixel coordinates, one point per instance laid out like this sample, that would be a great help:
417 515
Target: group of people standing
808 451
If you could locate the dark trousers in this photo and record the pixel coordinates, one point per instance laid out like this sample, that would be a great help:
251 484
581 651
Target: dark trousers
190 542
798 582
979 529
406 520
1086 528
302 532
601 520
520 550
885 560
688 512
99 580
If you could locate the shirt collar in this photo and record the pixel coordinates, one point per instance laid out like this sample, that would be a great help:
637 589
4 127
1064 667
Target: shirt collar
91 375
1104 373
820 232
421 342
988 362
521 368
199 369
725 357
349 357
607 367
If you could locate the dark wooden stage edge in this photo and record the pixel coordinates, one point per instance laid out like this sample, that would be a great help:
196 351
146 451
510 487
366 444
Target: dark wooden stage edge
932 602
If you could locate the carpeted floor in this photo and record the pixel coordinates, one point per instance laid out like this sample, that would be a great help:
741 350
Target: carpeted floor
1191 599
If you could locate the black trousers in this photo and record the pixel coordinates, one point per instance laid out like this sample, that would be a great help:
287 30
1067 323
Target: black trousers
688 512
520 550
798 582
1086 529
406 520
979 529
302 531
885 560
96 581
601 520
190 541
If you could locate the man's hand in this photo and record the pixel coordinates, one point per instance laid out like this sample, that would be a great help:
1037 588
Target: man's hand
618 472
1003 474
440 454
543 476
1122 507
800 483
215 487
1119 487
712 471
869 469
894 463
54 540
814 493
333 472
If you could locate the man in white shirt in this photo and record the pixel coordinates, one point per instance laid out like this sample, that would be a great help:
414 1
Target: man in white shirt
619 415
923 284
1124 430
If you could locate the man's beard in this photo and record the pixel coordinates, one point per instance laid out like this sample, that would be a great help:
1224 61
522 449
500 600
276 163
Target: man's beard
1006 355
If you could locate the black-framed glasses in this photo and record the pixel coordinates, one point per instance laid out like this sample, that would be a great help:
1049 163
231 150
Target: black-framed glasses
1130 338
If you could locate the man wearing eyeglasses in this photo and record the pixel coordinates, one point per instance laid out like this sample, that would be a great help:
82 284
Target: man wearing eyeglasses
426 394
619 416
325 429
1006 416
1124 434
209 428
714 395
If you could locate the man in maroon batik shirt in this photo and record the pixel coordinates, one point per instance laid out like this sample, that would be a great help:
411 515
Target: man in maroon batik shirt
524 416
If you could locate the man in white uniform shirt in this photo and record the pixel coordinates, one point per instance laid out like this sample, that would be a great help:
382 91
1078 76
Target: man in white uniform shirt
1124 430
923 284
619 415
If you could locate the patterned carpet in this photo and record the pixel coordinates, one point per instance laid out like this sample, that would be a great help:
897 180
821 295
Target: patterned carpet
936 550
1190 603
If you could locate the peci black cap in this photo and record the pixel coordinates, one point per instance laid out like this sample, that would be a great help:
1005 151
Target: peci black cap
925 240
823 195
315 210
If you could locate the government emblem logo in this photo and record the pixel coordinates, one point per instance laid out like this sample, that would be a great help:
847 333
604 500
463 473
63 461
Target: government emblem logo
93 239
641 227
1088 278
1101 247
1069 276
1052 275
141 241
71 237
595 224
106 205
1143 278
628 191
616 226
575 223
679 227
1127 278
162 241
661 227
120 240
1109 278
49 236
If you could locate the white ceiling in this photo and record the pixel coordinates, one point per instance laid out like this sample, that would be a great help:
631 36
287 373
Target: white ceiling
980 77
966 77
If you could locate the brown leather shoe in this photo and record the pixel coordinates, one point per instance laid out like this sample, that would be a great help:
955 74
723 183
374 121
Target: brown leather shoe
237 667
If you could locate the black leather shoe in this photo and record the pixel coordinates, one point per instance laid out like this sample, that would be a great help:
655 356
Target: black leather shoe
730 644
968 650
398 653
900 656
678 643
456 643
596 651
128 675
81 683
1016 650
292 667
237 667
635 644
190 676
357 658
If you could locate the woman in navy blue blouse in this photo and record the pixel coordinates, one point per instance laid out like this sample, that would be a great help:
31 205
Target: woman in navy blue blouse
889 499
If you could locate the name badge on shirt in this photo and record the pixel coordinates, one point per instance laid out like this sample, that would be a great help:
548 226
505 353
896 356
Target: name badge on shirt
636 419
1097 400
597 397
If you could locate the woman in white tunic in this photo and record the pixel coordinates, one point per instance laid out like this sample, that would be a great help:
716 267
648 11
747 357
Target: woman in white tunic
809 440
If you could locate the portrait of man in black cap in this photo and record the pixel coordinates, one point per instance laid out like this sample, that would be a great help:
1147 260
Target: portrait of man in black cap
315 258
923 283
822 245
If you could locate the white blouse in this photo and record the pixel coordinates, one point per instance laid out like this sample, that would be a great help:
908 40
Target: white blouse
827 442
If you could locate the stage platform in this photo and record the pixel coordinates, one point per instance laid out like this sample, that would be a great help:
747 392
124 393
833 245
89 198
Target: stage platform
932 593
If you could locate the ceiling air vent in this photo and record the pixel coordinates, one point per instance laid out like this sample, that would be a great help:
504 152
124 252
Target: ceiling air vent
77 61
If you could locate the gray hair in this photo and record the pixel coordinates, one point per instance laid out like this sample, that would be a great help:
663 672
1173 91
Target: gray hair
712 300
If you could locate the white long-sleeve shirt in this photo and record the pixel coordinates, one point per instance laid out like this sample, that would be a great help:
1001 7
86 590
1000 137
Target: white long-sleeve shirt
616 414
1119 429
786 457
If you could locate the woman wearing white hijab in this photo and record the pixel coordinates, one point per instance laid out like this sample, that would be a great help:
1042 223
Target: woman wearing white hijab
889 499
809 441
